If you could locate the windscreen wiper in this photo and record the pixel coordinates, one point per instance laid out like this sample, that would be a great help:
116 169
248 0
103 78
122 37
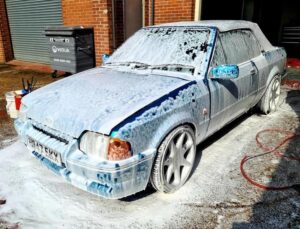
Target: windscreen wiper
177 67
128 63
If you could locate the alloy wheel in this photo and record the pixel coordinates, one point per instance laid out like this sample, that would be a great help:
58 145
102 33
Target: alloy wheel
178 159
274 95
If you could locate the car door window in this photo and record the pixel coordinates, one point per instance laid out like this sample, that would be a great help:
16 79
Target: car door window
253 48
239 46
234 46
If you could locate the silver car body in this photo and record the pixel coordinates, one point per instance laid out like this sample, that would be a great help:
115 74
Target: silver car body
142 107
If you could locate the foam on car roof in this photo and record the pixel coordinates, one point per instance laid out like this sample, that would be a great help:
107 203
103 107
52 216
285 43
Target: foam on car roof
226 25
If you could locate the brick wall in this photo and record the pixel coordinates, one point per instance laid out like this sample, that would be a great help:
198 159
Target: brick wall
95 13
6 52
173 10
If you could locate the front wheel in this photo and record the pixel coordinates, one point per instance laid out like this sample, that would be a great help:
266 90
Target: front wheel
269 102
175 160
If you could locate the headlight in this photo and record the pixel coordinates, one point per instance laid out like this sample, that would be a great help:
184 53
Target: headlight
94 144
104 147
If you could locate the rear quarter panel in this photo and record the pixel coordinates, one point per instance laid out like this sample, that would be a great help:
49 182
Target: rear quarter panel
276 60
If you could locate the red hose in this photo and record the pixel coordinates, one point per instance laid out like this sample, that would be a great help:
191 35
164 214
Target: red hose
267 150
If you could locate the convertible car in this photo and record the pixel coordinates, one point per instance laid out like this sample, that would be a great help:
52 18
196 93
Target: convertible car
137 119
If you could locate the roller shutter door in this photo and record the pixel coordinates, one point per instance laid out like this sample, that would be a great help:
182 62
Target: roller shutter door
27 22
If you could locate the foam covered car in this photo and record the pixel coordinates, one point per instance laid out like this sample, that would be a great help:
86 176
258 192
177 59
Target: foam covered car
137 119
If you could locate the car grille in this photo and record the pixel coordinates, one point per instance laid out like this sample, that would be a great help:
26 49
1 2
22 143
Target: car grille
50 138
51 135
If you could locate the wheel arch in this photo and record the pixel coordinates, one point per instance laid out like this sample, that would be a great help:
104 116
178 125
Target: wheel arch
263 104
273 73
171 123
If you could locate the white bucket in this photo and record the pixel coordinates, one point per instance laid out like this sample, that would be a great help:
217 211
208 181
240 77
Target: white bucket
11 105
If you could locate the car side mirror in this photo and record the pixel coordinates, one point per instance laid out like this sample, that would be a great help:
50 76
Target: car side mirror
227 71
105 57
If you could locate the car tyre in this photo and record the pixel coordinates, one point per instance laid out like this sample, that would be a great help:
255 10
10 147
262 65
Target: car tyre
269 102
175 160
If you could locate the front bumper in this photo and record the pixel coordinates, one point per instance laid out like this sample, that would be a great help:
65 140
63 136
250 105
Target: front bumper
109 179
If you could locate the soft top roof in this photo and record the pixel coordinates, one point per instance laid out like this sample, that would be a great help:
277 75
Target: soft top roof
223 26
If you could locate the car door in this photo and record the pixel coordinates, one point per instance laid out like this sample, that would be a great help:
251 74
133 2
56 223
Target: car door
231 97
260 61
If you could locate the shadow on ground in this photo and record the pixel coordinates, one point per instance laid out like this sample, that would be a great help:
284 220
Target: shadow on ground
280 209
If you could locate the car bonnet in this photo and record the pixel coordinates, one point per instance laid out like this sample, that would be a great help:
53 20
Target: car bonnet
96 100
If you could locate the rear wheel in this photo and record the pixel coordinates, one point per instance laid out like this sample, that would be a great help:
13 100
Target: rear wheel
174 161
270 100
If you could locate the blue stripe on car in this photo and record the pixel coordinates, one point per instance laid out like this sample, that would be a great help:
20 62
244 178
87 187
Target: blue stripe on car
157 102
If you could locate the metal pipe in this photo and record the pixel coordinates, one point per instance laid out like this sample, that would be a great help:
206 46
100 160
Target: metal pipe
153 4
243 8
149 12
198 9
143 13
113 24
124 20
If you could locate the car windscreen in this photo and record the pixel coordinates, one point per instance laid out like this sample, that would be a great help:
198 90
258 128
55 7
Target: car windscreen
164 48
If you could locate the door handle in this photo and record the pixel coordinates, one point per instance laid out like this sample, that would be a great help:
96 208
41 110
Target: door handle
253 72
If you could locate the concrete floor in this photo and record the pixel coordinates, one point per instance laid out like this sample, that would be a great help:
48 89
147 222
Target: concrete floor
216 196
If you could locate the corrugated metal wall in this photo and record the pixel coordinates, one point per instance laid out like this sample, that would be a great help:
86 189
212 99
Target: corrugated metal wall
27 22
